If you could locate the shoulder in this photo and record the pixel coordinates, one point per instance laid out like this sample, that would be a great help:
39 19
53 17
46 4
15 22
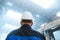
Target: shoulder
38 34
9 36
14 32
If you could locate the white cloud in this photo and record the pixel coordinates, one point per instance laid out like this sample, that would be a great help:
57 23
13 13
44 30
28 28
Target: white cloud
58 14
44 3
8 3
3 36
14 15
10 27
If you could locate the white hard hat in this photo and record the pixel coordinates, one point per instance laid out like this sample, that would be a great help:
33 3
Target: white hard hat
27 16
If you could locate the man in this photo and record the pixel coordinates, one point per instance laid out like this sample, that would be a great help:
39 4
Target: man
25 32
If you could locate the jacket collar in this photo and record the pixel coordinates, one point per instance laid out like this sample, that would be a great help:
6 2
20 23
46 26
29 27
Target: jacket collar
25 26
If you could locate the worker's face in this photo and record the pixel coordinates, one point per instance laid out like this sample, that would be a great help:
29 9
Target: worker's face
22 23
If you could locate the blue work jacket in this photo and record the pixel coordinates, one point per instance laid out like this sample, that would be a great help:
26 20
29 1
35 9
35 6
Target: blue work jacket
25 33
